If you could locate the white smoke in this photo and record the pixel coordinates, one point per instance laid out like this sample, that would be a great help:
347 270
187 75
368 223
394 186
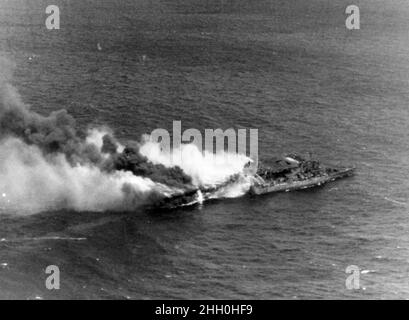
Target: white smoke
30 182
205 168
33 181
95 136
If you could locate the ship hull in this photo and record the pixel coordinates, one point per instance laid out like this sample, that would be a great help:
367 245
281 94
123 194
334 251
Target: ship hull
192 196
300 185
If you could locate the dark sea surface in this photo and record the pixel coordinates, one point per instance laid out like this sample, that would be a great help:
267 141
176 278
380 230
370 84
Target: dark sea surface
288 68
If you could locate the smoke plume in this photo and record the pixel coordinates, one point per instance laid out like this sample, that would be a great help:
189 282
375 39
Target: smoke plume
46 162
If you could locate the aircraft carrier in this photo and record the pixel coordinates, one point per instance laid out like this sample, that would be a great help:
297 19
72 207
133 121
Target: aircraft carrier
288 173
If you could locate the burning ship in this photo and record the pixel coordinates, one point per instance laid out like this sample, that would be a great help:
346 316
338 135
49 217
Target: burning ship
295 173
289 173
93 171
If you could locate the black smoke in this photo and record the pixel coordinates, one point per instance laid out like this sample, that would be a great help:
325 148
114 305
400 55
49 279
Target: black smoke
57 133
132 160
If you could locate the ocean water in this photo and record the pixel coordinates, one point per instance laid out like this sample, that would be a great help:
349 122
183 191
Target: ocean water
288 68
